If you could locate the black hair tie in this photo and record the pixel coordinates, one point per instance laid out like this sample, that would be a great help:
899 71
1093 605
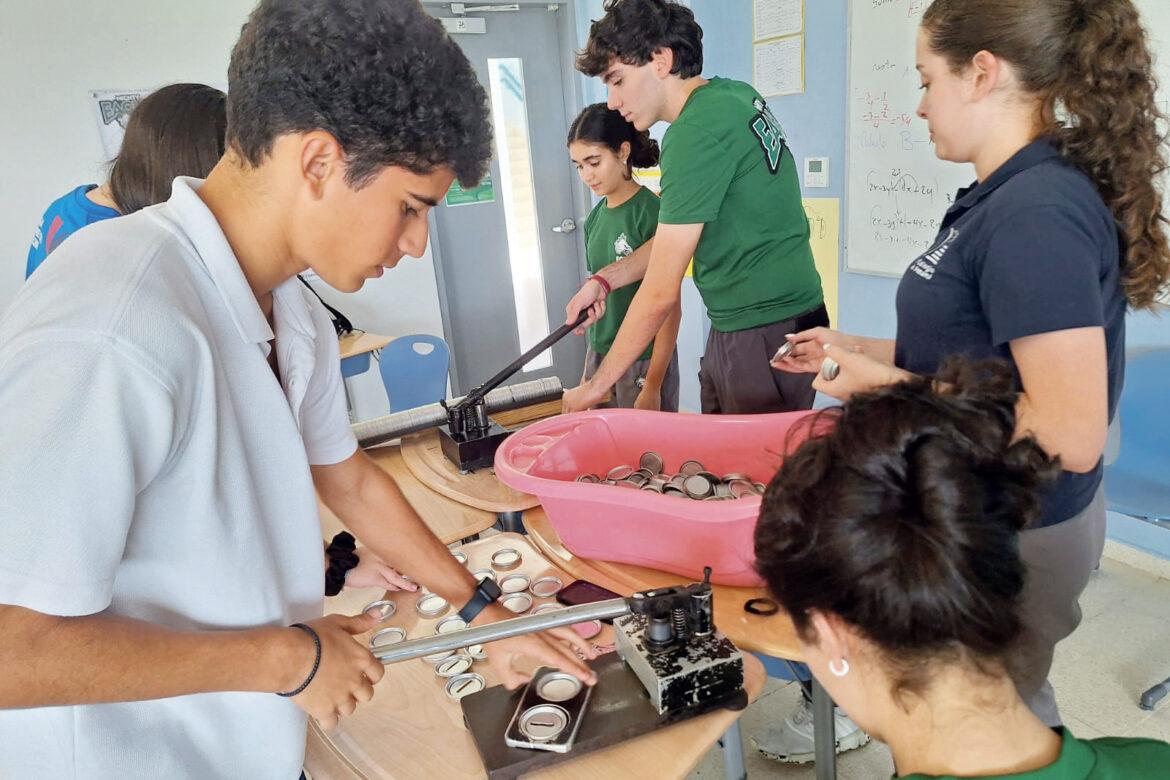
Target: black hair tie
342 558
316 661
761 606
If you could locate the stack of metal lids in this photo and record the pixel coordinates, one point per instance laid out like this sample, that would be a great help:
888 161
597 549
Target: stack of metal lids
691 481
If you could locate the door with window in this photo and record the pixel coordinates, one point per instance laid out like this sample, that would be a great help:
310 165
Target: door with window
508 253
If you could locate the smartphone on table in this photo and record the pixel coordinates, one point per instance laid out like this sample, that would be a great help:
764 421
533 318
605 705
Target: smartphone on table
585 592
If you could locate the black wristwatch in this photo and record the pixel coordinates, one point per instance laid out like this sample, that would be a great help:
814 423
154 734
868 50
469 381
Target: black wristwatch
485 593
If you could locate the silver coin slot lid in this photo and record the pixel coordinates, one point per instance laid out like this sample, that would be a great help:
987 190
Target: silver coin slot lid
484 574
543 722
453 666
459 555
387 636
544 587
465 684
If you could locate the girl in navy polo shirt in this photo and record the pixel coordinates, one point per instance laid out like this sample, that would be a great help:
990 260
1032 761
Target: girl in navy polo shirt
1053 102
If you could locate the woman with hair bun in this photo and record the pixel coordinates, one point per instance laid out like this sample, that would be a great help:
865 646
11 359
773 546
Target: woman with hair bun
1034 264
892 542
606 148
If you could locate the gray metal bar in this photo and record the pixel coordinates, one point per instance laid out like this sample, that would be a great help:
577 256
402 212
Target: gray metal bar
732 744
502 399
824 733
528 624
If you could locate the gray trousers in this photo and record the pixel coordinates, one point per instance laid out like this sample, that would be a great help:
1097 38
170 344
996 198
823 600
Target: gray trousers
1059 559
625 392
736 377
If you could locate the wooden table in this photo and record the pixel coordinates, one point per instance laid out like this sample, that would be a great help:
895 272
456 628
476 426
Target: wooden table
424 456
772 635
450 520
412 730
354 344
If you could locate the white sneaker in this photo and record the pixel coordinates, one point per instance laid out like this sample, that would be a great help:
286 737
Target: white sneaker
791 740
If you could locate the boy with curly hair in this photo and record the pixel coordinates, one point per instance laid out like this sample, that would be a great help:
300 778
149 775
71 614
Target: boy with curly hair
162 569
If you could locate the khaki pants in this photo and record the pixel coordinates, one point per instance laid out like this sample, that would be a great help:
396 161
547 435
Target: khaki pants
1059 559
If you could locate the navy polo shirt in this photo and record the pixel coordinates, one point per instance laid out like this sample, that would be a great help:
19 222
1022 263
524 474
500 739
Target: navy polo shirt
1032 249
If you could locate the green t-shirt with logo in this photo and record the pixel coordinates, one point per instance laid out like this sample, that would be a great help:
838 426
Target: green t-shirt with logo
725 164
610 235
1108 758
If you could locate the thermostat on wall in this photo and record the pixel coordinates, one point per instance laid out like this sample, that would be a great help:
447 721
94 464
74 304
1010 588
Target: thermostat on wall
816 171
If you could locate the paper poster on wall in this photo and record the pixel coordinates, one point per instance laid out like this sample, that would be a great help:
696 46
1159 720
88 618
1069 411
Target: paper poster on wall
484 192
776 18
778 66
112 108
824 225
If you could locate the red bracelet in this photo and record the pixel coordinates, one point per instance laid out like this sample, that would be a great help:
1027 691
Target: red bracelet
601 281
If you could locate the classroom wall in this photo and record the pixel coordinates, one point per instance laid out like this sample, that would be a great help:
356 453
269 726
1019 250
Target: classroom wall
52 53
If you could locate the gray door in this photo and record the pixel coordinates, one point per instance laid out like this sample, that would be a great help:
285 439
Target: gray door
504 273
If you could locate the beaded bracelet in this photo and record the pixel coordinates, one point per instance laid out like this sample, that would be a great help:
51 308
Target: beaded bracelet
316 661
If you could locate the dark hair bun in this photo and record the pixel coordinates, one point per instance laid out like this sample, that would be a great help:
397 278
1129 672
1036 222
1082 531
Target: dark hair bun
903 519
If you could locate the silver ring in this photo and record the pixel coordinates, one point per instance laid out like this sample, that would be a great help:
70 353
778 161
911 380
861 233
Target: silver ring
544 587
387 636
385 607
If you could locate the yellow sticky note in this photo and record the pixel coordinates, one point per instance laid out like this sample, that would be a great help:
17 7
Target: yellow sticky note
824 216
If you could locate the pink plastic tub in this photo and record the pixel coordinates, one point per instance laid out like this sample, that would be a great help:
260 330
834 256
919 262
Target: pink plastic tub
614 523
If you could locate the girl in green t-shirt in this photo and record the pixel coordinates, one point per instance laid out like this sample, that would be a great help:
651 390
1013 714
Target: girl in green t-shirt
605 148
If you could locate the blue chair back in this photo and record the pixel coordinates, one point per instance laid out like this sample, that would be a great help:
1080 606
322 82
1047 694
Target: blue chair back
1138 482
414 370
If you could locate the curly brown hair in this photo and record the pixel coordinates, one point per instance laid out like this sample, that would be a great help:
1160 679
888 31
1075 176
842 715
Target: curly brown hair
380 75
632 30
1088 62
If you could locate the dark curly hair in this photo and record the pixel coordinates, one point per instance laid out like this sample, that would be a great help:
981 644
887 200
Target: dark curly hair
382 76
598 124
900 515
177 130
1089 62
632 30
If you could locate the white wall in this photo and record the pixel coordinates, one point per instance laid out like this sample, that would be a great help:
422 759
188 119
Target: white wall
53 52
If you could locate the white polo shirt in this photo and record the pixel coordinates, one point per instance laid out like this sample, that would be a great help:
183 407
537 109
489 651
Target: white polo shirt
152 466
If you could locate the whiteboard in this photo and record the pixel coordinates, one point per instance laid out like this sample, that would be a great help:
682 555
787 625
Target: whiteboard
896 190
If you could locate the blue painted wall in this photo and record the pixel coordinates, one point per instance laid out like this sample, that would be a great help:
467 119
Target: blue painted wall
815 125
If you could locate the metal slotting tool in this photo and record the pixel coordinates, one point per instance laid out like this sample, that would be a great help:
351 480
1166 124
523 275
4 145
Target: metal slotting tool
470 439
666 636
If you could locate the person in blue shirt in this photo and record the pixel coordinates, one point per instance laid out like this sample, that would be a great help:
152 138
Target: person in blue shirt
890 538
1034 264
177 130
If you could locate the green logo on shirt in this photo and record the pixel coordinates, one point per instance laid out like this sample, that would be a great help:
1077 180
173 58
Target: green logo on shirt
770 134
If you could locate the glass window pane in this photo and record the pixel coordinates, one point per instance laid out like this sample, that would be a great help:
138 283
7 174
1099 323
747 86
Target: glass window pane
510 120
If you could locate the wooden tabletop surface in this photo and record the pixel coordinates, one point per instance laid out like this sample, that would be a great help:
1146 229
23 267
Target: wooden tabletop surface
412 730
772 635
356 343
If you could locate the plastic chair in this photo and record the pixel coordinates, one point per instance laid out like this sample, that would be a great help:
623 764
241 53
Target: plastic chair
1138 482
414 370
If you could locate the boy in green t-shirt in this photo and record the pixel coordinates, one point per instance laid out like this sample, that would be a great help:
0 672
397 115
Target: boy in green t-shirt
730 201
